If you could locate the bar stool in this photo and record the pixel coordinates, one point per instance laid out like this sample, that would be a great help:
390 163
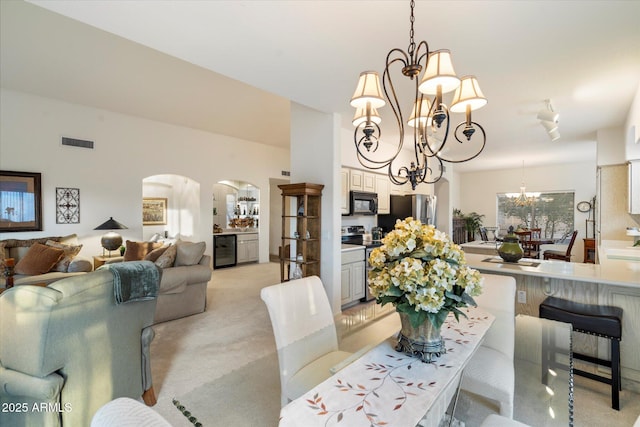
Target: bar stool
598 320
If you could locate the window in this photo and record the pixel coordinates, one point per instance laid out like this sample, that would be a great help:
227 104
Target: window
551 212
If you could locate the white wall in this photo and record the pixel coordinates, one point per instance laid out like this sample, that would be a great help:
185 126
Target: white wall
127 149
478 190
315 158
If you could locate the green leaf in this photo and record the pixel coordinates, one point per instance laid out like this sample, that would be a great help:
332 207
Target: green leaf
467 299
395 291
452 296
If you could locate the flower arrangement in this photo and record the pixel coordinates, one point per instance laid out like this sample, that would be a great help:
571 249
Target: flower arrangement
422 273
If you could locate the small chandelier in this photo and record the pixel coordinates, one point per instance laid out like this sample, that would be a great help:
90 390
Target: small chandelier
429 117
524 198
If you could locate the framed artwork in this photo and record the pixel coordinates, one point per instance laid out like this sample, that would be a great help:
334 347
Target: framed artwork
154 211
67 205
20 201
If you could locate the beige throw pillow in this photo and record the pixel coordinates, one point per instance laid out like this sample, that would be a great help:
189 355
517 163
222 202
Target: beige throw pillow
167 258
70 252
39 259
189 253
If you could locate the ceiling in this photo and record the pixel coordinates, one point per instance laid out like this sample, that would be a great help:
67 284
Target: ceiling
230 67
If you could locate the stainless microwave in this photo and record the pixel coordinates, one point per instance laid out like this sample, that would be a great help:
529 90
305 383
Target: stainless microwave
363 203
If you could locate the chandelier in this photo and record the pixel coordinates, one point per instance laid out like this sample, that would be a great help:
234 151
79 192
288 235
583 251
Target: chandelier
524 198
429 118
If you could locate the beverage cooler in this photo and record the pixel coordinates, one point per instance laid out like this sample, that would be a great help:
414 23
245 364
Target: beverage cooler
224 250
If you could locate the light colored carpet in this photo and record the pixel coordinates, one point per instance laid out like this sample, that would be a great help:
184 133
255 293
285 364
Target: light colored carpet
222 364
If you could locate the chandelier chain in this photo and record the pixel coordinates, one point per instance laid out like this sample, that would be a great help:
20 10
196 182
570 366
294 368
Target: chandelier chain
412 43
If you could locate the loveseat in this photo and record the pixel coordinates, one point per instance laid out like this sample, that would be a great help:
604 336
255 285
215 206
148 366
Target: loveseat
186 271
70 264
69 348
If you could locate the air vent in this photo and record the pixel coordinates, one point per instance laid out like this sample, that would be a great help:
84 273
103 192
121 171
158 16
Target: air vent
286 173
77 142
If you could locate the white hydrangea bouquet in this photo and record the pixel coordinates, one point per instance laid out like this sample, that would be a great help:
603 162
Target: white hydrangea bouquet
422 273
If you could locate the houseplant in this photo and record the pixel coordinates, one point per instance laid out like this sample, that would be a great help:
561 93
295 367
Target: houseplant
425 276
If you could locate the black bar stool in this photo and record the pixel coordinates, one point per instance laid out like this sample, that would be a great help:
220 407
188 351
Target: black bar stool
598 320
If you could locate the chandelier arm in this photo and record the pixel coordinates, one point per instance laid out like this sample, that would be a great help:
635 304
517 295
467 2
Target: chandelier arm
435 150
484 141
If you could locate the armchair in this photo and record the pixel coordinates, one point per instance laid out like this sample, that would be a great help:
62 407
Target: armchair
69 348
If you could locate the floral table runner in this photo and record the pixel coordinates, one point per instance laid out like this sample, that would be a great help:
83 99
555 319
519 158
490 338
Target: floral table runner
387 388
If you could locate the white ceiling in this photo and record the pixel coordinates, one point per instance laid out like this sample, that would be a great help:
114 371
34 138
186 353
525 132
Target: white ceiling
584 55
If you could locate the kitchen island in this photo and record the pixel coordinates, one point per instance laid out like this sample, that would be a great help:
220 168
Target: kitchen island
613 282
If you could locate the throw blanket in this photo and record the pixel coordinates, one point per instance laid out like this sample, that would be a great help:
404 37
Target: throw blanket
134 280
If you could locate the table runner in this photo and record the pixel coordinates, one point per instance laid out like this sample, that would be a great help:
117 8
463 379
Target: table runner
387 388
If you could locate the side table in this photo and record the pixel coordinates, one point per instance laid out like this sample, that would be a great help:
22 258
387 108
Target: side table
589 251
99 260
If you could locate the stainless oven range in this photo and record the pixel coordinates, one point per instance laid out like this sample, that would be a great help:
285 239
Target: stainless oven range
354 235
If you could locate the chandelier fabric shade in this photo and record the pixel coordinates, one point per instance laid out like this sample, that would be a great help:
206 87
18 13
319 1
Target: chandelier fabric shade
420 115
467 94
361 116
432 74
368 91
439 72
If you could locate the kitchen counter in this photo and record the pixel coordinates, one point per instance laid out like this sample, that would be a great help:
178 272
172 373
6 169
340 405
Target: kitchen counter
613 272
614 282
227 231
344 247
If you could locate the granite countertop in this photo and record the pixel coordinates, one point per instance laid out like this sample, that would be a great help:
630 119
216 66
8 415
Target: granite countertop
613 272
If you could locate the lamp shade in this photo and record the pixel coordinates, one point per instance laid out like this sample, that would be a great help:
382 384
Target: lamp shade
111 224
420 113
439 72
368 91
361 116
468 93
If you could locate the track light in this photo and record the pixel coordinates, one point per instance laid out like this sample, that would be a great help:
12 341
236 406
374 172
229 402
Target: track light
554 135
548 116
549 126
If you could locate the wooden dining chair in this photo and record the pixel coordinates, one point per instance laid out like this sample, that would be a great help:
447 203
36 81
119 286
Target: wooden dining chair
560 255
525 241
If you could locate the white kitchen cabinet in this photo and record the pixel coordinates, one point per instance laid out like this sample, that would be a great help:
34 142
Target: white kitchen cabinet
634 186
352 275
383 189
344 191
360 180
247 247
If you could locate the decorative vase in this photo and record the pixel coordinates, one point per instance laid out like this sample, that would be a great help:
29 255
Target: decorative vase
423 342
510 250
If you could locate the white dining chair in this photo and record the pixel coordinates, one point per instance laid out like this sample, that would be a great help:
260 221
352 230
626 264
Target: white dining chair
490 372
305 334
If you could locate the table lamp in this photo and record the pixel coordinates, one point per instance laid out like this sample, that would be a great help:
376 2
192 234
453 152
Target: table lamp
112 240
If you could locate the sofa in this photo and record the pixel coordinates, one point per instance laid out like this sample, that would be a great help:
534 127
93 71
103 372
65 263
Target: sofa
186 271
67 264
68 348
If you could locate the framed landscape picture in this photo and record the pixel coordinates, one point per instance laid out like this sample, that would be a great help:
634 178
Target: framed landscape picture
154 211
20 201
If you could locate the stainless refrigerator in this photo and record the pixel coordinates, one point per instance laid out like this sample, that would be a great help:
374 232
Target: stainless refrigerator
418 206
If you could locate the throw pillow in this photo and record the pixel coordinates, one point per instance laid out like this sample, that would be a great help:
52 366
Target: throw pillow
136 251
189 253
70 252
39 259
155 254
167 259
2 257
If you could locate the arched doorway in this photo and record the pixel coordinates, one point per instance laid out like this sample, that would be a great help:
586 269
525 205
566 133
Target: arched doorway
180 196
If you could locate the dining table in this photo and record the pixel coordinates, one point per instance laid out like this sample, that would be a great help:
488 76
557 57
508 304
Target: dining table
385 387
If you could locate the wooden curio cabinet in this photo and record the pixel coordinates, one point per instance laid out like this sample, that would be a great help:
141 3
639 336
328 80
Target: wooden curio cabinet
301 227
